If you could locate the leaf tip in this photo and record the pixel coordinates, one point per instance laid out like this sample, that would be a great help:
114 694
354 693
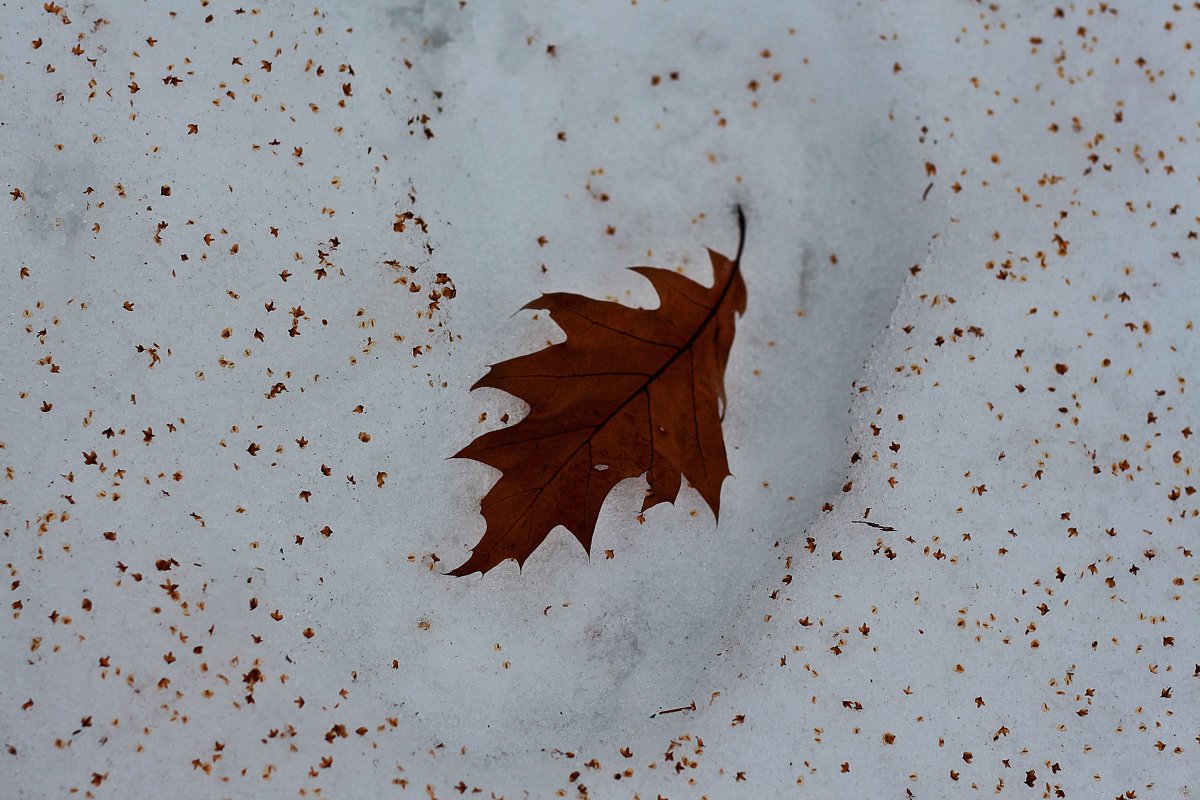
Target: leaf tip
537 303
464 569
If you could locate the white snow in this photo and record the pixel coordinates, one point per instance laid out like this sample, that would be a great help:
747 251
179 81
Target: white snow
1024 621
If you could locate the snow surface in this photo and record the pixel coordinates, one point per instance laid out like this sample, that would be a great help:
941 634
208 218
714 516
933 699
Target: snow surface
957 555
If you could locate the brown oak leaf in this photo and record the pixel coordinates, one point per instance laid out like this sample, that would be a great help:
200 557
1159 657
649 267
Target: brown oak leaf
630 392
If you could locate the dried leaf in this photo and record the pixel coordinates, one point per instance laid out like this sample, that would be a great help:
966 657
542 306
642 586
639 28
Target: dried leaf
630 392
